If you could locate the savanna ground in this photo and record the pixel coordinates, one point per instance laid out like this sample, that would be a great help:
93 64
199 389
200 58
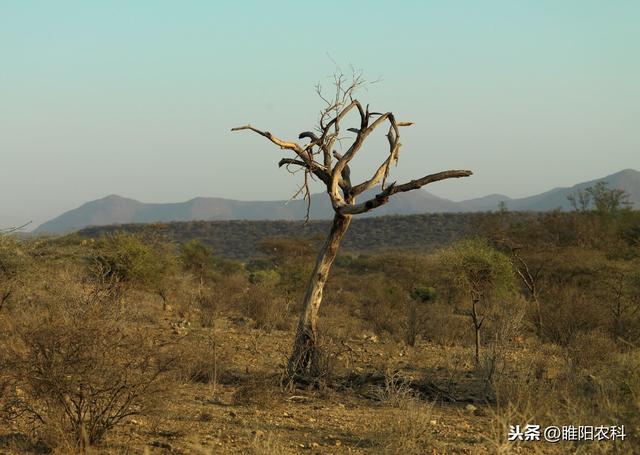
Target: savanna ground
128 344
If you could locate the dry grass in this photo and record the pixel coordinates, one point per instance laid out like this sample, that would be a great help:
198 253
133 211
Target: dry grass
101 366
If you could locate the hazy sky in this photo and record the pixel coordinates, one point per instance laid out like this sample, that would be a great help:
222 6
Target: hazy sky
137 97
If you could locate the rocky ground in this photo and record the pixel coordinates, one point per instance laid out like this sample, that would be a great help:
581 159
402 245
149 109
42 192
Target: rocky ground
381 397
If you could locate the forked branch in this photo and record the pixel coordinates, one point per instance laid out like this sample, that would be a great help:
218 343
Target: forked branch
305 155
383 197
337 177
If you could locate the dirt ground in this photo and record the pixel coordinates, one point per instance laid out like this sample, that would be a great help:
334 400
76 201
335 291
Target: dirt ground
244 409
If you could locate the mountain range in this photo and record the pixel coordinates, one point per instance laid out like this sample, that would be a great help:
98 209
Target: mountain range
119 210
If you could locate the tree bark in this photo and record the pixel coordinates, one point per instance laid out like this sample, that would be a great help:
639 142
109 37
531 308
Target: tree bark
304 352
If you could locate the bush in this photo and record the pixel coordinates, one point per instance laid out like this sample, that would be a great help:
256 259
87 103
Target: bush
209 307
197 258
122 258
408 431
384 304
268 309
445 328
569 310
199 360
424 294
76 365
591 350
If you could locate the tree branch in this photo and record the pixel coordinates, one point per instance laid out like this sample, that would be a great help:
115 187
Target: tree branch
315 170
14 229
383 197
301 152
393 136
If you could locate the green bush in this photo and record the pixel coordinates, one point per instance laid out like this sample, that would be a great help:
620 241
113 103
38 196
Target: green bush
424 294
123 258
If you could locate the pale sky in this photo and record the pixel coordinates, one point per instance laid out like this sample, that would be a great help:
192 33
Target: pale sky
137 98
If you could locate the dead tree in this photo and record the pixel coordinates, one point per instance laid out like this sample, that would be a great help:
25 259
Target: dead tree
530 278
319 160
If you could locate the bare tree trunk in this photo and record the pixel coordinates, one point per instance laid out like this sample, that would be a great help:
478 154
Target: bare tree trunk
304 347
530 281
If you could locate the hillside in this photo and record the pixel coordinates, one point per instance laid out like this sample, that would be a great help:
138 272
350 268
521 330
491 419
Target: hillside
627 180
119 210
241 239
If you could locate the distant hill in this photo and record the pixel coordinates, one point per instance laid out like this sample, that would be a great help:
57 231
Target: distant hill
119 210
627 180
485 203
241 239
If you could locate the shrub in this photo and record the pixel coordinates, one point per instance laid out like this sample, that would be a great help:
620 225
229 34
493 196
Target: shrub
408 431
209 307
424 294
78 366
384 304
122 258
570 310
197 258
395 389
199 360
591 349
444 327
268 309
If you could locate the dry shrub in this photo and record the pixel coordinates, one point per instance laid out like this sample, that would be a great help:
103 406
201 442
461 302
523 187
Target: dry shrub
566 311
395 390
591 349
501 418
385 318
76 367
411 324
408 430
199 359
607 393
230 288
266 307
445 328
220 297
268 444
504 324
210 309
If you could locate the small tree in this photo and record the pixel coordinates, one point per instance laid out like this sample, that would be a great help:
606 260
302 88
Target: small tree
121 260
319 160
619 285
530 277
481 273
125 258
197 258
604 200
